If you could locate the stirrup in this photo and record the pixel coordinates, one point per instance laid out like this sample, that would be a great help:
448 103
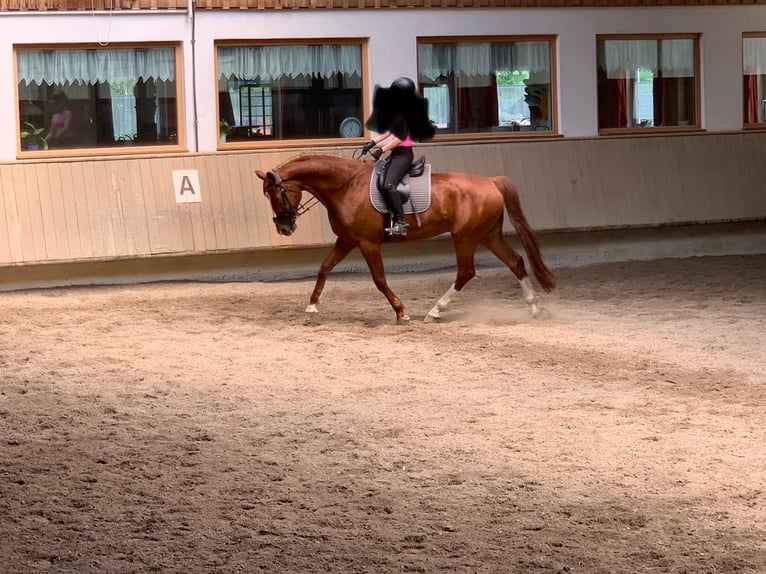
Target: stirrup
399 228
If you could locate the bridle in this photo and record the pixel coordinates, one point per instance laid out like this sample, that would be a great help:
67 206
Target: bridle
289 214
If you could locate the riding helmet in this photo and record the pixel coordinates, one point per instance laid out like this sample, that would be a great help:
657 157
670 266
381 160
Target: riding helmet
404 84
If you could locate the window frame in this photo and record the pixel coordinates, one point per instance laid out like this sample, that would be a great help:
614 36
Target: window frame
553 100
758 126
643 131
96 151
362 42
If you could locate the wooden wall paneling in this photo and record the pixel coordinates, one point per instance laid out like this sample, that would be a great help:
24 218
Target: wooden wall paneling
113 178
54 229
73 172
185 214
164 195
753 150
236 197
218 182
105 209
65 229
212 211
35 222
63 171
6 240
194 224
747 161
131 200
559 194
255 206
157 225
96 222
692 181
22 227
582 213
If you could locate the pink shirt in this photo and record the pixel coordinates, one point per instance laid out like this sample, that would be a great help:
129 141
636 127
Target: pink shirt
406 142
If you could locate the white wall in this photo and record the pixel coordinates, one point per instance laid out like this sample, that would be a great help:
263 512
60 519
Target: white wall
392 48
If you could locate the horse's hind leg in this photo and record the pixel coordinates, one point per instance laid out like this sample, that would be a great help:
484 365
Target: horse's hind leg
338 252
466 270
497 245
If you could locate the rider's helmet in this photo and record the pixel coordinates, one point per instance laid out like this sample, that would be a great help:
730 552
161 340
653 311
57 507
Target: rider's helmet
404 84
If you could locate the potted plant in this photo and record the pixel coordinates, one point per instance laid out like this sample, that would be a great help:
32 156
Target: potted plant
224 129
32 137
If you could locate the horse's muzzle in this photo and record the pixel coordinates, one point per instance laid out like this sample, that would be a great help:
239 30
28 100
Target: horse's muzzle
285 224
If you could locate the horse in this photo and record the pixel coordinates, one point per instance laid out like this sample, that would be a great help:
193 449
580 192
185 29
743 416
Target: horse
469 207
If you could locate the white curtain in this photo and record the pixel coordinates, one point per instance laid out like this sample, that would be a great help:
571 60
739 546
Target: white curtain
674 58
754 55
274 62
482 58
94 66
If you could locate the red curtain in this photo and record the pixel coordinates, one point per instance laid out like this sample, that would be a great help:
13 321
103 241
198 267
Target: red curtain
750 97
612 100
477 107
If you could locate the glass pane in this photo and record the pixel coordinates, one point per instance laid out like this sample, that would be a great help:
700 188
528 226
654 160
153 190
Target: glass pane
754 80
70 99
646 83
475 87
289 92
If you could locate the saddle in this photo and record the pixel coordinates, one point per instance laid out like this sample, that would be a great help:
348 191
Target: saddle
415 192
417 168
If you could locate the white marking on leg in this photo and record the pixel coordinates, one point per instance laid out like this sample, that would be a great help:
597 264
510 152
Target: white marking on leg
441 304
312 308
529 296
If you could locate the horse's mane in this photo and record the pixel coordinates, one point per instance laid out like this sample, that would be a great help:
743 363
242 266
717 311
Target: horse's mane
308 156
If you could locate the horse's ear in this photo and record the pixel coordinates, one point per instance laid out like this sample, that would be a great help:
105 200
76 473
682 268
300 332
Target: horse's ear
260 174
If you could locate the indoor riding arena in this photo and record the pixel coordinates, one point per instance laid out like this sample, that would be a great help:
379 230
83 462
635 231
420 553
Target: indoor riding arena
170 402
191 427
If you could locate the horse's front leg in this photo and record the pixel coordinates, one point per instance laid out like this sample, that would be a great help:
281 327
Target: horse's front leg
371 254
338 252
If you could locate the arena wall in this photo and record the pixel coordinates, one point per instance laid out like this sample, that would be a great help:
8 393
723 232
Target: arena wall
124 211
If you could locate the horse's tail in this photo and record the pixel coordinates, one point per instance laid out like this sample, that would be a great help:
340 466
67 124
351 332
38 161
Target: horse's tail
544 277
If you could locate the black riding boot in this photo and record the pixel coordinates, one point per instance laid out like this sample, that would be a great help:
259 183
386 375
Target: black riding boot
394 201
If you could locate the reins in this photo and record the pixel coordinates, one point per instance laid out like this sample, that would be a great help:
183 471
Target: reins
303 207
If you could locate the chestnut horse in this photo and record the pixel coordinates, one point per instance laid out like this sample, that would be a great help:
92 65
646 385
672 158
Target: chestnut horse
469 207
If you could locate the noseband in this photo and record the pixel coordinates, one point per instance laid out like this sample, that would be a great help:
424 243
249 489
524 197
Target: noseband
289 214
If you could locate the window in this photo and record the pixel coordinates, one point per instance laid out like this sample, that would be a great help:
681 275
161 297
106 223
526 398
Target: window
647 82
289 92
754 79
486 85
73 99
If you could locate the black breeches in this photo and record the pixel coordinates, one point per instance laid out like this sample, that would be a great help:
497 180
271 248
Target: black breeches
401 160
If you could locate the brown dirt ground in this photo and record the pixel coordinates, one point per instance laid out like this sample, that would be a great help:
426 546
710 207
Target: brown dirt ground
210 428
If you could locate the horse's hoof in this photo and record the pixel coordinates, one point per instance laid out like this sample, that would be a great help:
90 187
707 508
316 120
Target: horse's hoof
541 313
312 308
429 318
403 320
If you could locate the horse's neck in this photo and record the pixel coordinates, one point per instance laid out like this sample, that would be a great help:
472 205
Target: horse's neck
325 176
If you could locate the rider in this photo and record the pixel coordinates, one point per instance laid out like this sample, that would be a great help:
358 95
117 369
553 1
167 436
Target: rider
400 116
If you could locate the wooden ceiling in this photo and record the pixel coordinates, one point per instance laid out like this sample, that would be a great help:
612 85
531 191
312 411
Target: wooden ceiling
100 5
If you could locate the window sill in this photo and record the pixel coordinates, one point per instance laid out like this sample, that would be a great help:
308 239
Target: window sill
649 132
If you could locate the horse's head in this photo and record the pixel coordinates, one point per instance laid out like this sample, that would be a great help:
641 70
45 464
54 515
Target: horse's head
285 202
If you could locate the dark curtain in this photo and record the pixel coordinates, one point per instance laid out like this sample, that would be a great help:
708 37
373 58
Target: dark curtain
673 100
612 100
750 97
477 107
225 107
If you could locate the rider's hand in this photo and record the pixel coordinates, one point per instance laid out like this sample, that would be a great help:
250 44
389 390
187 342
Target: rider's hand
376 152
367 147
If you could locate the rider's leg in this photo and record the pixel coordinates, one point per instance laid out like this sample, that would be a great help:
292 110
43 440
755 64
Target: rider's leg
401 159
394 201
